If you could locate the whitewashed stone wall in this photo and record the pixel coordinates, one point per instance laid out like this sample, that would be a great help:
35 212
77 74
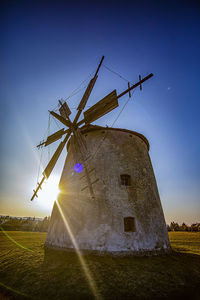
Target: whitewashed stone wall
98 224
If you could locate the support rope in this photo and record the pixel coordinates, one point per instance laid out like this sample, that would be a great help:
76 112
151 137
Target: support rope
115 73
48 135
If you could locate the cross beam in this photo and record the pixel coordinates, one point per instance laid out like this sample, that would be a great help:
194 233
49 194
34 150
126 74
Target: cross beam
135 85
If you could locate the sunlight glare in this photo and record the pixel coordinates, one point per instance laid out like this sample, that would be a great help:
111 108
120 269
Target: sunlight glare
86 270
49 193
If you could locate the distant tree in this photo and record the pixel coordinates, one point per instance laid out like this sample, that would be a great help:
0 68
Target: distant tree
168 228
195 227
174 226
184 227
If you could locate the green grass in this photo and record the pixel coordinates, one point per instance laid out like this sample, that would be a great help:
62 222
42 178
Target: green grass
27 271
186 242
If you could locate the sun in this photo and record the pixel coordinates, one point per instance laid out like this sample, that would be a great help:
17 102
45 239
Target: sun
49 193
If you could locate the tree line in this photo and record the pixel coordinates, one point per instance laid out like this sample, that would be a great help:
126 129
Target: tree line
184 227
41 225
24 224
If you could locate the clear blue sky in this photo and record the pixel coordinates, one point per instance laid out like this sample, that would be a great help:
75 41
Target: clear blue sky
49 47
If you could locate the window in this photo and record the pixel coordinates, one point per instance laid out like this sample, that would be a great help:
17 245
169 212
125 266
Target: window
129 224
125 179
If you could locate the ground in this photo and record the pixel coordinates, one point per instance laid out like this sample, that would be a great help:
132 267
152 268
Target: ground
27 271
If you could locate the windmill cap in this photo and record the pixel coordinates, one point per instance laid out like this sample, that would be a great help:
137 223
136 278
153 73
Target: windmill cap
89 128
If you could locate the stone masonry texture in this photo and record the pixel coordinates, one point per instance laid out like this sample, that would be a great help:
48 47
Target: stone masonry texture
97 223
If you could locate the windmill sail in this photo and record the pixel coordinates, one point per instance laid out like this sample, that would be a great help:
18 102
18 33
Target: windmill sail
101 108
60 118
55 157
65 110
87 93
54 137
107 104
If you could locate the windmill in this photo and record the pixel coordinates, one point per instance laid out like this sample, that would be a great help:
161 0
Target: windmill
112 204
102 107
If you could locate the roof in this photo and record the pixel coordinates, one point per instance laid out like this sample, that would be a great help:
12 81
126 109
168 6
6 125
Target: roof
89 128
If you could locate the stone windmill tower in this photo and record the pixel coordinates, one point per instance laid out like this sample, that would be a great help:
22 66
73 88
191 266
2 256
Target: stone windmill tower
109 201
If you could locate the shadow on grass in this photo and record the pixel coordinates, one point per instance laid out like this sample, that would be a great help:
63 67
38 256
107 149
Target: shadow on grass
172 276
60 276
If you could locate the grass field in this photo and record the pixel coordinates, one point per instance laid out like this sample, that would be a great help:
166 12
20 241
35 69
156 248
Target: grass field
27 271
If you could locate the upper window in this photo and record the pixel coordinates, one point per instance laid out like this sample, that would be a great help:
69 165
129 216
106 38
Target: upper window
125 179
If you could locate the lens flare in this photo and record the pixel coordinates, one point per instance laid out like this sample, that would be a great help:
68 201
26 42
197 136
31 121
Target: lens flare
13 290
78 168
15 242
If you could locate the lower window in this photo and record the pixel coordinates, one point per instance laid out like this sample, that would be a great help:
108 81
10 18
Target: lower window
129 224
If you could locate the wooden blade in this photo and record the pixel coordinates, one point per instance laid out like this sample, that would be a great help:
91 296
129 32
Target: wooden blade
65 110
55 157
61 119
123 93
101 108
87 93
54 137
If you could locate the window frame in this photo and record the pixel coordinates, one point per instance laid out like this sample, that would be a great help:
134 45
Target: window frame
129 224
125 178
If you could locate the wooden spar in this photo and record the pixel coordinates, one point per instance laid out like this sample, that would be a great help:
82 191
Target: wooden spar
135 85
99 66
38 187
89 183
90 171
52 162
87 93
123 93
88 186
41 144
61 119
53 138
140 83
129 92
